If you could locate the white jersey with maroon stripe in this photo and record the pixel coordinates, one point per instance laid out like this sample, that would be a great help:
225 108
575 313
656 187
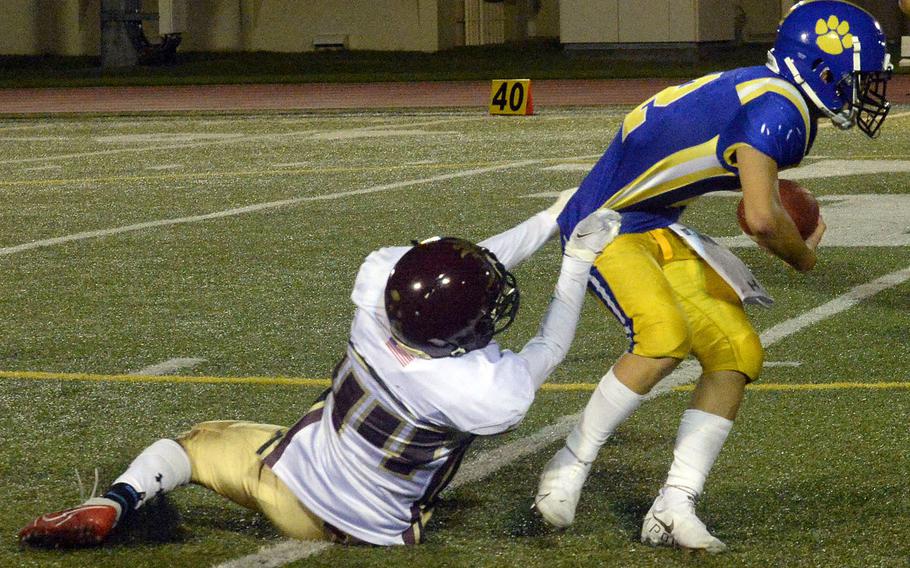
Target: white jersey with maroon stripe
373 453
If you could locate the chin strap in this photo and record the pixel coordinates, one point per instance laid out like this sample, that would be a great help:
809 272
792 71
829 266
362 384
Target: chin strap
844 119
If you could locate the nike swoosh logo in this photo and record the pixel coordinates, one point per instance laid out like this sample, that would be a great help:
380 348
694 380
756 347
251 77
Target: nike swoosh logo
540 497
64 516
583 235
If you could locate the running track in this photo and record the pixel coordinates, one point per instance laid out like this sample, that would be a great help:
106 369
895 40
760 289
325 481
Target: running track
348 96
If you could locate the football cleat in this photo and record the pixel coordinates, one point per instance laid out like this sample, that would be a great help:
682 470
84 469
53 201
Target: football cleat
86 525
560 488
671 521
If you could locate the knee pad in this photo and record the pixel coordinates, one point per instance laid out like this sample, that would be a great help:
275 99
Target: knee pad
742 352
668 338
750 355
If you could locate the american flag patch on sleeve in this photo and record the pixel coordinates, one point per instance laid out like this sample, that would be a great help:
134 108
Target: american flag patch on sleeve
402 356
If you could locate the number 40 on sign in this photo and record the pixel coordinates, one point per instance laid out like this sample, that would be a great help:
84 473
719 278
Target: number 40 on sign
511 96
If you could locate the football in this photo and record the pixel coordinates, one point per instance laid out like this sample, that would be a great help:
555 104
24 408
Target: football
797 201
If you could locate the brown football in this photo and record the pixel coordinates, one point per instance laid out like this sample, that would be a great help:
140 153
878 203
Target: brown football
797 201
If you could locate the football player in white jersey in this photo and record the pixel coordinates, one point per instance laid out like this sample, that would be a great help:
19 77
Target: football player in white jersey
421 378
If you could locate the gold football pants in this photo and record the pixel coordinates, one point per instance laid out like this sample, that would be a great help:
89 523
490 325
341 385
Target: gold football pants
672 303
225 457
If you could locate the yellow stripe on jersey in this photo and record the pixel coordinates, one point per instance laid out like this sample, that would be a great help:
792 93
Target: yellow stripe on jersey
680 169
730 151
664 98
751 90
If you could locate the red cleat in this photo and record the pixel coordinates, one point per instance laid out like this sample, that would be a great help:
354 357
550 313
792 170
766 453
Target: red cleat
85 525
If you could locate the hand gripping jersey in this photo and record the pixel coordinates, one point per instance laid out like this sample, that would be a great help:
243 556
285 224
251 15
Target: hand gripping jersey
376 449
681 143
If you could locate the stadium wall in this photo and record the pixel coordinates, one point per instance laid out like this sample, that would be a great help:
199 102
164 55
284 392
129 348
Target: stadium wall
72 27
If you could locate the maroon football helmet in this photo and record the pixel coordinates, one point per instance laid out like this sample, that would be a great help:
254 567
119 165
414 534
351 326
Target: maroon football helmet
447 296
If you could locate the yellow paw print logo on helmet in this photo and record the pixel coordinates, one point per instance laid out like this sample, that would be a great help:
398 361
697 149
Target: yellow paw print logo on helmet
833 36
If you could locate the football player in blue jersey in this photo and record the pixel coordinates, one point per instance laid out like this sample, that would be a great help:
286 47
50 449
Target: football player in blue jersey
677 294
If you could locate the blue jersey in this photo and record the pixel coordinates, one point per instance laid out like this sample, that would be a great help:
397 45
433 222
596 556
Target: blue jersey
681 143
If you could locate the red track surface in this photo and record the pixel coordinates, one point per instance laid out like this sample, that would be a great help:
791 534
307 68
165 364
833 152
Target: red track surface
546 93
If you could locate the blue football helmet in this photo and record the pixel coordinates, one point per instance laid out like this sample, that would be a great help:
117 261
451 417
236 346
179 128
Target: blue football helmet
836 54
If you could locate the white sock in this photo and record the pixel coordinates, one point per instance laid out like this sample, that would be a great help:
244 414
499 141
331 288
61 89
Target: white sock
160 468
610 405
699 440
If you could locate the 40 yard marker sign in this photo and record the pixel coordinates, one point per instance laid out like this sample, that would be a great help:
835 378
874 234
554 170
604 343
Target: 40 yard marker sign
511 96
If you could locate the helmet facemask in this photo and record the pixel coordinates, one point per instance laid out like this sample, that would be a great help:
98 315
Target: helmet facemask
498 317
836 54
506 305
870 105
447 297
863 92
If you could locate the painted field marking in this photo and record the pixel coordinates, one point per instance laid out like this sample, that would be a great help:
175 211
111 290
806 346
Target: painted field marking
167 137
170 366
788 174
293 165
353 135
830 168
870 220
43 168
569 168
153 378
6 125
769 364
164 167
866 220
889 119
275 555
493 460
163 373
34 138
51 182
5 251
221 142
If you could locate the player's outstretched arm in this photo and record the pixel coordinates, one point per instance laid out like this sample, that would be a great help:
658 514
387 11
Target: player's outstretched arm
557 330
518 243
771 226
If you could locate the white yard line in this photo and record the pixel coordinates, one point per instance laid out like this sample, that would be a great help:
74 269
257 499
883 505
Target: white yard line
169 366
164 167
493 460
315 134
43 168
5 251
781 364
829 124
293 165
835 306
279 554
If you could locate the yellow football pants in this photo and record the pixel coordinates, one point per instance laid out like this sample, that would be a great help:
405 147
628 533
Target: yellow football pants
672 303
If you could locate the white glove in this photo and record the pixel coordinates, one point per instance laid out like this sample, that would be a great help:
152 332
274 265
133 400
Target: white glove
560 203
592 234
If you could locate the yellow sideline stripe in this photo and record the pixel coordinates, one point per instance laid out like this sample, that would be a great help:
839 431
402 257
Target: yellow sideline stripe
304 382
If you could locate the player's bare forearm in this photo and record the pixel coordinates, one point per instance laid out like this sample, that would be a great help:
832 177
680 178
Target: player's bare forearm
771 226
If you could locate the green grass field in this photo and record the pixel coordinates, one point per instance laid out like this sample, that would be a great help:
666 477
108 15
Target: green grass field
124 244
